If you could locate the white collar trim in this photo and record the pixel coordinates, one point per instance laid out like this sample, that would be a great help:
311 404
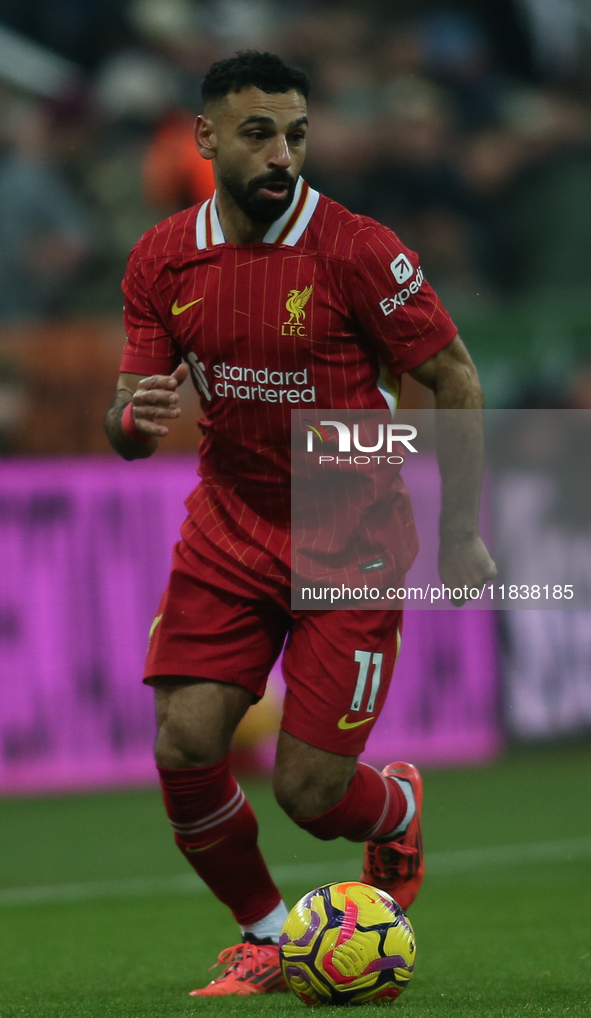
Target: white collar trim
208 216
279 225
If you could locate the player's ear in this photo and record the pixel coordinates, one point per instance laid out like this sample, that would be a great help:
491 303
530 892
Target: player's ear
205 137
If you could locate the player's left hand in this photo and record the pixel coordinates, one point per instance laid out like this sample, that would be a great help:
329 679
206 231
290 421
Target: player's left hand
464 562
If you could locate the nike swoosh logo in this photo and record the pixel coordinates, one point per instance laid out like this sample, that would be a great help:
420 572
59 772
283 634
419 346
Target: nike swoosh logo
344 724
176 310
204 848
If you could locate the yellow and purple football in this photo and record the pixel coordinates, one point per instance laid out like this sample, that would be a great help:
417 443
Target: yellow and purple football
347 943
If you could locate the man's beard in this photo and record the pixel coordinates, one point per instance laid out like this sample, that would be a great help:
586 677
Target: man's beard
256 206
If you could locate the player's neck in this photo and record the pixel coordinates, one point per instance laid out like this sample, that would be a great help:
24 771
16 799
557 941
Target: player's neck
236 226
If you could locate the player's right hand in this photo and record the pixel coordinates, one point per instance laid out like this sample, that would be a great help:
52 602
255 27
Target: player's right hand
156 398
464 562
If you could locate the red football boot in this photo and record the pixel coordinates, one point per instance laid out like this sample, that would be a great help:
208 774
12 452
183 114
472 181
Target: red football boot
250 968
397 866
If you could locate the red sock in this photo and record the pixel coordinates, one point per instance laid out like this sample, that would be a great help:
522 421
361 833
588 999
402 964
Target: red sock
216 830
371 807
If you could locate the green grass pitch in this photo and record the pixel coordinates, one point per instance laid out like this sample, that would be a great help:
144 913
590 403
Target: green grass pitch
100 916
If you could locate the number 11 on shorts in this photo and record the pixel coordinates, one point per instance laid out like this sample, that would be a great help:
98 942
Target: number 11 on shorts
365 659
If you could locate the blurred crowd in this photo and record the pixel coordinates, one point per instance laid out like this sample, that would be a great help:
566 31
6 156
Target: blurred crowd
465 126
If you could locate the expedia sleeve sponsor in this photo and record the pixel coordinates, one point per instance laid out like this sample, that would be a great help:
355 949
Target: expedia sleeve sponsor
396 308
389 304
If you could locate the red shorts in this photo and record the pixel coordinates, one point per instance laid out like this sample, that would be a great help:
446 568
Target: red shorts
217 620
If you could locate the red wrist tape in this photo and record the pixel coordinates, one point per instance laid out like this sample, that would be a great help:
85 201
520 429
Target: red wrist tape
129 428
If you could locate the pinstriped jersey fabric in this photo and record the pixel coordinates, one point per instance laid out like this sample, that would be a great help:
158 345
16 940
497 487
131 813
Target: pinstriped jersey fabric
315 318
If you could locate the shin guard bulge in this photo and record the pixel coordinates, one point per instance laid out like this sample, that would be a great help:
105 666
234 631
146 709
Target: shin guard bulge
372 807
216 830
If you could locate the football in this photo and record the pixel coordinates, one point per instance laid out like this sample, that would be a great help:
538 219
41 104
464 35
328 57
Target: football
347 943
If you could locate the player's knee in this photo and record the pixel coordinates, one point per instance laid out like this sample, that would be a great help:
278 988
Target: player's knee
304 795
178 746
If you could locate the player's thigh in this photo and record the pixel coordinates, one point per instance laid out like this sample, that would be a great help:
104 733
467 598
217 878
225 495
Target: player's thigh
338 666
206 637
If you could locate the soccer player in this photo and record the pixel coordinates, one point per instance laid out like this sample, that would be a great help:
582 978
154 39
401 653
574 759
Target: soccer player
276 298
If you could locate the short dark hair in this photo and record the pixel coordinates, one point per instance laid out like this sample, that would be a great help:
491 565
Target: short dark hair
250 68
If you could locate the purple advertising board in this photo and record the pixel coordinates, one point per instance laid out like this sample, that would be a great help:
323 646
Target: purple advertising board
85 550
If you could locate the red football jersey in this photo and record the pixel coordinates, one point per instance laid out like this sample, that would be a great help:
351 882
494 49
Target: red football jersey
327 312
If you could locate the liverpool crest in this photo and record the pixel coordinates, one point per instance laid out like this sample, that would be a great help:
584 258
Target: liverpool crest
295 305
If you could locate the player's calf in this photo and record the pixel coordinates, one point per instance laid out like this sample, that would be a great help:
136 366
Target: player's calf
333 796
